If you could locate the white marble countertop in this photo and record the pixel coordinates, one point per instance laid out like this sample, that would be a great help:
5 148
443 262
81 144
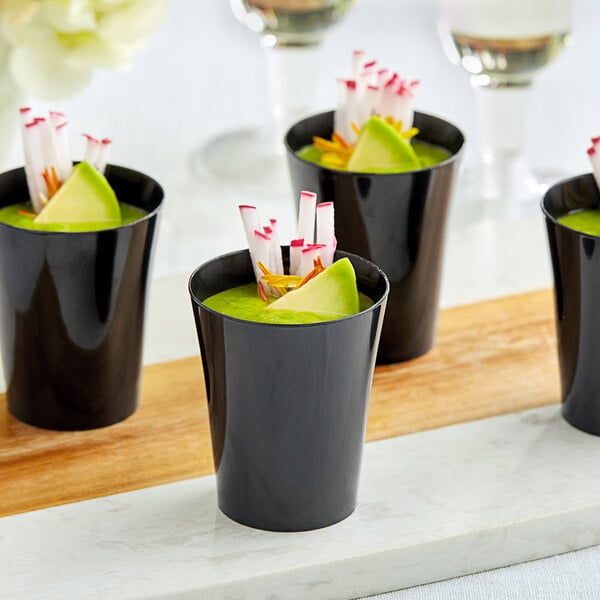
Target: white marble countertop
183 92
432 505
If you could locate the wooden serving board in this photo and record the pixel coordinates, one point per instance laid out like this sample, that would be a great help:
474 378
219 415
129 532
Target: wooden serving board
491 358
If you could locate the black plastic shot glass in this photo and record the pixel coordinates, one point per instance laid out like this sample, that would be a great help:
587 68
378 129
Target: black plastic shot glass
576 267
72 311
395 220
287 403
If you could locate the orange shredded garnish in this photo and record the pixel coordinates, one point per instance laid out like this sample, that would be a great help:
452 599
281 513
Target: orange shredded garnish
52 181
410 133
318 267
330 146
338 138
263 268
261 292
332 159
26 213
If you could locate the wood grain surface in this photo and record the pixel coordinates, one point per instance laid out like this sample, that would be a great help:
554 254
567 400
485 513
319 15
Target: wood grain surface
491 358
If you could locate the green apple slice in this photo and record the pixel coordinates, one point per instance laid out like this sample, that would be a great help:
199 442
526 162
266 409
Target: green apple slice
381 149
332 292
85 197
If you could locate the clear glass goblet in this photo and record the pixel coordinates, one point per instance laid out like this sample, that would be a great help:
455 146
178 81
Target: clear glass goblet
503 44
290 32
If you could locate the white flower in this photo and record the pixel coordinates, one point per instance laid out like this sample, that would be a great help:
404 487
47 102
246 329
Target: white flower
55 45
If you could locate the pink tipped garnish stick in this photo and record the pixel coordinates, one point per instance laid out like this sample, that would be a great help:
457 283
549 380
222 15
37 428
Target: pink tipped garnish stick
251 223
102 157
594 154
308 256
250 220
261 252
25 114
64 164
34 164
359 58
263 242
92 149
326 231
306 216
296 247
276 259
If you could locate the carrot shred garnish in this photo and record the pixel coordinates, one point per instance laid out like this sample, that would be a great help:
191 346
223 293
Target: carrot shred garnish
263 268
410 133
338 138
26 213
261 292
314 272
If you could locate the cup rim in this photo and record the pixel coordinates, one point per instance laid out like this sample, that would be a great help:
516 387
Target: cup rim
371 308
115 169
551 218
453 157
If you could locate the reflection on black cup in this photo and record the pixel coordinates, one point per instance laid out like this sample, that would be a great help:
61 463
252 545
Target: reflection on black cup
576 266
396 220
72 311
287 403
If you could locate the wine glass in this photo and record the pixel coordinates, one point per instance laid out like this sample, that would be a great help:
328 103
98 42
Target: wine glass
290 32
503 44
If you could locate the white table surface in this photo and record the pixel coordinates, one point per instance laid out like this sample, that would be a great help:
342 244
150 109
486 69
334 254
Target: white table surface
185 88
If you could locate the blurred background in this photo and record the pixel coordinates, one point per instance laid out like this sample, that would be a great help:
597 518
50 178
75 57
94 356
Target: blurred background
204 72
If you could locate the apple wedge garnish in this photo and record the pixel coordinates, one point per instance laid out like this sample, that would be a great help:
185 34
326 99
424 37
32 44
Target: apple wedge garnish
85 197
332 292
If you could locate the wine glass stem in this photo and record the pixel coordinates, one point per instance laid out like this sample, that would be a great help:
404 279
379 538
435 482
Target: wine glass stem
503 113
291 72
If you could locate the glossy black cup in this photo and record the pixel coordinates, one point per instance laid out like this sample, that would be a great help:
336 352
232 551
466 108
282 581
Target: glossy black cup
72 311
576 266
396 220
287 403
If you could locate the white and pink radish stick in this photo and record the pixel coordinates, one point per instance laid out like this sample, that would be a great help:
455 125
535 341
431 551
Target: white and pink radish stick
92 149
276 259
102 158
386 101
594 154
47 147
263 242
261 252
34 164
404 102
251 223
308 256
26 115
359 59
306 216
250 220
326 231
296 247
96 152
347 110
64 164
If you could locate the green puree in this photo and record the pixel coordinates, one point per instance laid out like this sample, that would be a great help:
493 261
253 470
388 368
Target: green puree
586 220
243 302
428 154
11 216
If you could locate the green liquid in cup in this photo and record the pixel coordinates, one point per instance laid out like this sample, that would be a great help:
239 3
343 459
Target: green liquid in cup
585 220
428 155
11 216
243 302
